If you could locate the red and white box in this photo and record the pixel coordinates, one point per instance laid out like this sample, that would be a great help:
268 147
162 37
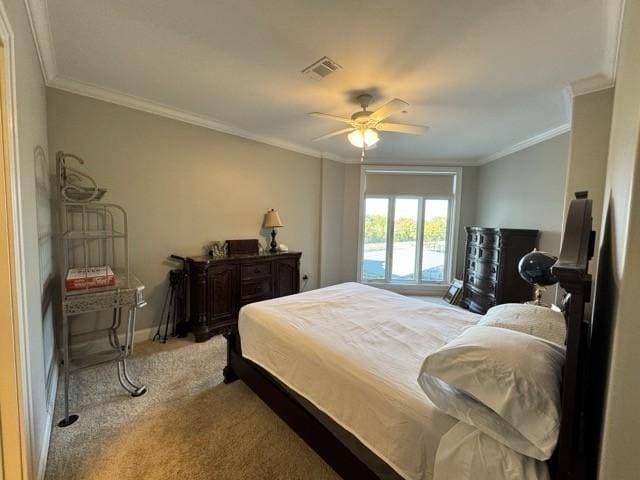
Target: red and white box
91 277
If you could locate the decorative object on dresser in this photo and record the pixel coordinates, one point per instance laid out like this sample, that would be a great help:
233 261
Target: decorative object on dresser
491 267
243 247
535 268
220 286
272 221
217 249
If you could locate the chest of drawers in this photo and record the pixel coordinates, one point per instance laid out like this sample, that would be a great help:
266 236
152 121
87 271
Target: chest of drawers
491 267
220 287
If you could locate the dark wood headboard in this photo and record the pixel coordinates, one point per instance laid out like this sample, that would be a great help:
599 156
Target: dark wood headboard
572 271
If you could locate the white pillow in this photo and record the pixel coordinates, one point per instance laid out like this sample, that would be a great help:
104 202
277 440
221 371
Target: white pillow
532 319
507 385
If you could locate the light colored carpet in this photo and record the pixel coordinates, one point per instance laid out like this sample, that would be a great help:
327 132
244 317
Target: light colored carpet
189 425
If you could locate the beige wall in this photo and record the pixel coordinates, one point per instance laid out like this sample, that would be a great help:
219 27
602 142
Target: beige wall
183 185
588 150
331 222
619 276
468 212
350 222
526 190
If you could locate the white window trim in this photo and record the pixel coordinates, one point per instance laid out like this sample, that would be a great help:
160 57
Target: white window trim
454 225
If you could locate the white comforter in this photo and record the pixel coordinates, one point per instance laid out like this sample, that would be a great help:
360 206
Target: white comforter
355 352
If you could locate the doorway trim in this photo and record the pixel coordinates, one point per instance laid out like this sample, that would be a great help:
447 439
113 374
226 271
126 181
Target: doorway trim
16 404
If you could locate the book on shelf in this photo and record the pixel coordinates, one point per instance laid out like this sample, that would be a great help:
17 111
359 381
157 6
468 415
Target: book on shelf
91 277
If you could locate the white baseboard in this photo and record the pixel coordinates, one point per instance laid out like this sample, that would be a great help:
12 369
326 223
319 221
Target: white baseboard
46 438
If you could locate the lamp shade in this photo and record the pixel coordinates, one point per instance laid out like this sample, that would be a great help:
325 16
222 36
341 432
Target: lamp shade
535 268
272 219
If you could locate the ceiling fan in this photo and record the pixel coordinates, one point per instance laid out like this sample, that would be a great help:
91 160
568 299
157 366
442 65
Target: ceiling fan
364 125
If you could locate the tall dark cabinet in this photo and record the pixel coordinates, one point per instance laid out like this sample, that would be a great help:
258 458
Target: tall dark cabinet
491 267
220 286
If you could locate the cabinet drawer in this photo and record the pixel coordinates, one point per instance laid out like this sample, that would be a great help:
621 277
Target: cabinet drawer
484 239
483 253
486 269
484 284
478 302
257 288
255 270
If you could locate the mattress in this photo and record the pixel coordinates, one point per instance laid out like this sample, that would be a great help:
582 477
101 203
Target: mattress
354 352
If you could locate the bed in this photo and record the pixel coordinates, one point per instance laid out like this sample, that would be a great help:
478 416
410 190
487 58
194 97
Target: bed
339 366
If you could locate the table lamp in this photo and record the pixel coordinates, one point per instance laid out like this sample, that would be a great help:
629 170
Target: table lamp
535 268
272 221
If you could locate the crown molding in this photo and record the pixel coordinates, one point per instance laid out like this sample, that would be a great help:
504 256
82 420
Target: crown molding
38 15
156 108
529 142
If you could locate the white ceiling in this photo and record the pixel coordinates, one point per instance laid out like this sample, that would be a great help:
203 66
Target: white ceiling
483 74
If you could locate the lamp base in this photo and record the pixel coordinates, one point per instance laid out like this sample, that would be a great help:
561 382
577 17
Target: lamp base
537 297
274 245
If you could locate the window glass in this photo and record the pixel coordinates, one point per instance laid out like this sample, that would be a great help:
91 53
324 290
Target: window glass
374 259
434 240
405 236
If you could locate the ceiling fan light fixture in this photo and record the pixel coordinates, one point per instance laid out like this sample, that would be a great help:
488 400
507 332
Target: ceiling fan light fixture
363 138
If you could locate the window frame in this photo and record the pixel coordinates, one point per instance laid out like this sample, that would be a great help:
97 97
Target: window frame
416 285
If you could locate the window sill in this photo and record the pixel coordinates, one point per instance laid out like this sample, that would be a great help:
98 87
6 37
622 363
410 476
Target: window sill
411 288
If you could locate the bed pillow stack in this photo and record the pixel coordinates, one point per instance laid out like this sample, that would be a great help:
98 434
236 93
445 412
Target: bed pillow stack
535 320
505 384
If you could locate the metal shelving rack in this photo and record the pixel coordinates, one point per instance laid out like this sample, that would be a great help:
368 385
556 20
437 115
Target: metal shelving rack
94 234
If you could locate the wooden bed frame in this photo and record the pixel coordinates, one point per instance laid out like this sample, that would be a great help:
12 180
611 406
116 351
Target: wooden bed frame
578 444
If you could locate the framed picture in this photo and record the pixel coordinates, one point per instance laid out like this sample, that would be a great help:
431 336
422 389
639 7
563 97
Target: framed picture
454 294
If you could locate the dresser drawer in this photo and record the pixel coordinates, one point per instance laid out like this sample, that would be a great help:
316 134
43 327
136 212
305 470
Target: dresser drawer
484 239
484 284
486 269
478 302
483 253
255 288
255 270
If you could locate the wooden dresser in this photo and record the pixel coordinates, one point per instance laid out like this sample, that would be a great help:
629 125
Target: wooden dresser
491 267
220 286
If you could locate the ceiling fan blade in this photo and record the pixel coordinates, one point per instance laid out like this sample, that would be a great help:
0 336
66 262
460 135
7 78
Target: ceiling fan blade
394 106
333 134
331 117
402 128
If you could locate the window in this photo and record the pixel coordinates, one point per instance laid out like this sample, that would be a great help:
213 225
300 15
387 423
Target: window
375 239
408 226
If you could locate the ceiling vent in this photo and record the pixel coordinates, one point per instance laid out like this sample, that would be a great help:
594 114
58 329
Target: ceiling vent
322 68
